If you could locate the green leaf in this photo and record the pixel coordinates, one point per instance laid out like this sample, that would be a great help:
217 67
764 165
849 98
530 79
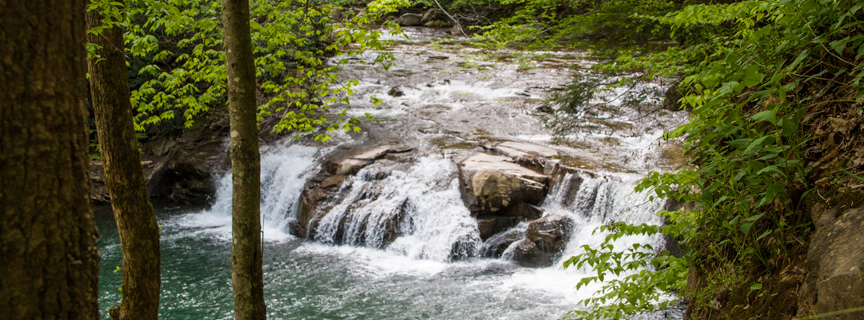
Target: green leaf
752 76
767 115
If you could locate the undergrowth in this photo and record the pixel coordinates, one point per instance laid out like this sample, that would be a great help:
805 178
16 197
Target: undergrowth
775 91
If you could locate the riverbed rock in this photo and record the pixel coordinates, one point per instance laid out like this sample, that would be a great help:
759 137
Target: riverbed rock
491 225
495 246
494 183
544 241
186 173
433 14
499 192
395 92
436 24
353 163
456 30
835 264
671 97
321 191
410 19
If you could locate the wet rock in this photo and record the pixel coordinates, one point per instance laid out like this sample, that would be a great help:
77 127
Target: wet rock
98 190
544 241
321 192
494 183
491 225
296 228
497 244
516 149
671 97
335 180
500 193
529 155
436 24
185 174
463 248
410 19
395 92
353 164
160 145
456 30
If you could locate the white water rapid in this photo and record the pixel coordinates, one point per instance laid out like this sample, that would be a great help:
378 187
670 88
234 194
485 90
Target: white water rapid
284 171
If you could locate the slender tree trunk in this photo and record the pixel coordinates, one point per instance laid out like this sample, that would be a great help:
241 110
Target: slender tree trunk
124 178
246 273
49 263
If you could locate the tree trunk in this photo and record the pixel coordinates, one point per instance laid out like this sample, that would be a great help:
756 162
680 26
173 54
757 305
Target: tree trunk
246 273
49 262
124 178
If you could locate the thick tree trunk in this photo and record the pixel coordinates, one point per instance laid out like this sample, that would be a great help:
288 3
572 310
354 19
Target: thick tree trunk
246 273
124 178
49 263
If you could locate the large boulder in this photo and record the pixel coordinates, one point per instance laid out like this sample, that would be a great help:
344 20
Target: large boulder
494 183
544 241
499 192
835 263
410 19
529 155
186 173
490 225
433 14
671 97
321 191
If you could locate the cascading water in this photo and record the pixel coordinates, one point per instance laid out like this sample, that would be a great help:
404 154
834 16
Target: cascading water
417 212
284 171
592 201
600 201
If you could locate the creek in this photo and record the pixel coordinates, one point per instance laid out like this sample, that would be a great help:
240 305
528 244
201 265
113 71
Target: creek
444 103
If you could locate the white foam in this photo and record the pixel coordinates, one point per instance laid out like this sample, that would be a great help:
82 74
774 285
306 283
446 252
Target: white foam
284 171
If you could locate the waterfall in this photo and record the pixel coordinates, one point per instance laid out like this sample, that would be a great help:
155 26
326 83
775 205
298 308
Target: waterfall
415 209
284 171
591 201
603 200
417 212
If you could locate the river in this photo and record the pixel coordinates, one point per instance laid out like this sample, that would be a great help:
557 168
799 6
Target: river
445 101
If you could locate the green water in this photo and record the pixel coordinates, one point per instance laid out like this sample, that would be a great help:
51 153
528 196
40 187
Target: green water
312 281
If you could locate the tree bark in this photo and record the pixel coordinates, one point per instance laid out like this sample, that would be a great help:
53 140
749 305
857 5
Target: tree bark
49 262
246 272
124 178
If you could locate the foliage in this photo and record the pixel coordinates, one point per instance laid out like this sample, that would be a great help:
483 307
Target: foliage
178 63
556 23
753 71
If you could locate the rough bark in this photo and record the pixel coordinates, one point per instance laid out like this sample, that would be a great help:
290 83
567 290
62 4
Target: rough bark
48 257
246 272
124 177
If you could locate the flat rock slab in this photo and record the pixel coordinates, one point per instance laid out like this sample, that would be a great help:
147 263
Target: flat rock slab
494 184
525 150
486 162
352 164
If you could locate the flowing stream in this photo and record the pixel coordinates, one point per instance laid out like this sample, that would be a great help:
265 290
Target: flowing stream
411 249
